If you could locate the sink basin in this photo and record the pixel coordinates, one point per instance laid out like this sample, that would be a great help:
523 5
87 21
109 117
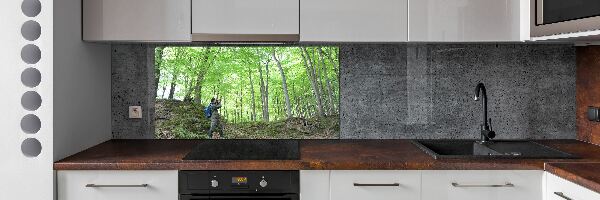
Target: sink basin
496 149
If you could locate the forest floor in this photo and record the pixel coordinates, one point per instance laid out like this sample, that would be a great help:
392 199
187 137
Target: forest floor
185 120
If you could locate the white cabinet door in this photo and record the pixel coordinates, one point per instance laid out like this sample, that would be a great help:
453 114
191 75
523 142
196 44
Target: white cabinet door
482 185
353 20
560 189
314 185
117 185
468 20
243 19
375 185
136 20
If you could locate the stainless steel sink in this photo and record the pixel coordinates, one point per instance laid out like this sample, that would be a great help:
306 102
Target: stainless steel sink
495 149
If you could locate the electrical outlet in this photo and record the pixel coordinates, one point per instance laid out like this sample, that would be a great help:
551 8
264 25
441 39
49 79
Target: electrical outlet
135 112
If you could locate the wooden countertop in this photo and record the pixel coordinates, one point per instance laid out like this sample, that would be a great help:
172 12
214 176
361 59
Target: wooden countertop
314 154
332 155
584 174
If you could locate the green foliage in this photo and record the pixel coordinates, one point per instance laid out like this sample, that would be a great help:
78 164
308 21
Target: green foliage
190 76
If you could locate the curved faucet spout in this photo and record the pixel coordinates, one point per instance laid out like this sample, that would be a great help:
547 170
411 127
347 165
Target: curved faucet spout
486 132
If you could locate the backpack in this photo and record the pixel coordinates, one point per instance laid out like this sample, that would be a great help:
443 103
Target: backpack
208 111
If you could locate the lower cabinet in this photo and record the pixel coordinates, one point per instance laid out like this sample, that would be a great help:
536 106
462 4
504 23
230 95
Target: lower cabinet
375 185
314 184
421 185
116 185
482 185
560 189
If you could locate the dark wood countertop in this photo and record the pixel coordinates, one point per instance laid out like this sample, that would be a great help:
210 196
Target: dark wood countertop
331 155
584 174
315 154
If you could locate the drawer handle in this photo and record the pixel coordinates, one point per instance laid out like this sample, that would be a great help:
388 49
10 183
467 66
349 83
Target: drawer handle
503 185
560 194
116 186
376 184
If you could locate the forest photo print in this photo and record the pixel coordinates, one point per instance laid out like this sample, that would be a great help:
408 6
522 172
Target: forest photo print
249 92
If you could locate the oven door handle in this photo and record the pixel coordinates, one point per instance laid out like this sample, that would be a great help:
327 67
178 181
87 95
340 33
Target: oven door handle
249 197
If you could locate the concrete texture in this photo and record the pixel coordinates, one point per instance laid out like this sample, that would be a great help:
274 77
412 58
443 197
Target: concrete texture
132 85
426 91
410 90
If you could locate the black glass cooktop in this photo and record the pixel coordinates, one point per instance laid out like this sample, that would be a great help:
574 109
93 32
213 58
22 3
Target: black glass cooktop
245 150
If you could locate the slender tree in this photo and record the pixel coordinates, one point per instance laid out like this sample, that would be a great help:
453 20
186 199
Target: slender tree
158 58
288 107
313 80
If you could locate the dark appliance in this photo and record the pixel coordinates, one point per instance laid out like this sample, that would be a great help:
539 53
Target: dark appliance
237 185
245 150
551 17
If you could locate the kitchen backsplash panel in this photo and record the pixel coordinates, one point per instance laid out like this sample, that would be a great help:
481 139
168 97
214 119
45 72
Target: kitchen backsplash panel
411 90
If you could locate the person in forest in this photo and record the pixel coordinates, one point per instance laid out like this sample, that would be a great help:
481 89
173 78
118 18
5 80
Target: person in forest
215 119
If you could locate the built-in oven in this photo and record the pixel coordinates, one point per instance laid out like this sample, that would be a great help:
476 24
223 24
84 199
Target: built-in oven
238 185
552 17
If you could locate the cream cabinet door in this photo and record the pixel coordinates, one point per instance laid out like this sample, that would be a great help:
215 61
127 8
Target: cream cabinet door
314 185
137 20
375 185
468 20
245 20
353 20
117 185
560 189
482 185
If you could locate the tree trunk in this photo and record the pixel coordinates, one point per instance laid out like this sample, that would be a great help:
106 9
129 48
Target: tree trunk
200 77
288 107
313 82
328 82
253 116
330 56
263 97
173 84
267 89
157 65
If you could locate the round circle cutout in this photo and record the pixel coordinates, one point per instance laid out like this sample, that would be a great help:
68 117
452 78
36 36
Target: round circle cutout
31 8
31 54
31 77
31 30
31 124
31 147
31 100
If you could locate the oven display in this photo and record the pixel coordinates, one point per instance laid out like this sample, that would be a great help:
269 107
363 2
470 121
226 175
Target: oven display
239 180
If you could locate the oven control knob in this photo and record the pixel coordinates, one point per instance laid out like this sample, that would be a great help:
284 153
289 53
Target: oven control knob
263 183
214 183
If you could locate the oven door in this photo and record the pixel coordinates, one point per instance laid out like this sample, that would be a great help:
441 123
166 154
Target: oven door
552 17
240 197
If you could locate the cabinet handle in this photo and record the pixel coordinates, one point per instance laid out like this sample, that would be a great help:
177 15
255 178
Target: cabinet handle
116 186
493 185
376 184
560 194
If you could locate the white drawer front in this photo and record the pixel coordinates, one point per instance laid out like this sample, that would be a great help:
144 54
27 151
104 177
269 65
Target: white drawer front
314 185
567 189
161 185
482 185
343 188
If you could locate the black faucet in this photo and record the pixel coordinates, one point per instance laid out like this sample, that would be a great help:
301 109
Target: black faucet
486 129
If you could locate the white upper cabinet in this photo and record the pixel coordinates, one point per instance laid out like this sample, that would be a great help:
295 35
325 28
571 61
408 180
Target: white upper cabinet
245 20
136 20
353 20
468 20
